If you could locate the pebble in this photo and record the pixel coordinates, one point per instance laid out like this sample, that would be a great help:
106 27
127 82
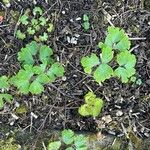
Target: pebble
63 12
119 113
79 18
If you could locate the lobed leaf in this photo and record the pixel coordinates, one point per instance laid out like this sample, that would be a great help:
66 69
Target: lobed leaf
4 82
24 19
6 97
37 10
103 72
89 62
54 145
80 142
67 136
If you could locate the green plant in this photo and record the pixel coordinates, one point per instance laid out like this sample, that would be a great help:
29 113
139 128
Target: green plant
86 23
92 106
71 141
115 48
4 85
32 22
32 78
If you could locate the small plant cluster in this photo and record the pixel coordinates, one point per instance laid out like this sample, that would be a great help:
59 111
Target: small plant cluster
86 23
33 23
4 96
114 50
70 141
32 78
92 106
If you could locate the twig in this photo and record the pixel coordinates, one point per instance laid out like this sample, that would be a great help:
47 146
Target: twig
137 38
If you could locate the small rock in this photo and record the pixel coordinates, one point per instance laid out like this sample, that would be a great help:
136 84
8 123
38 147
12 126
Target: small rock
63 12
64 78
79 18
119 113
107 118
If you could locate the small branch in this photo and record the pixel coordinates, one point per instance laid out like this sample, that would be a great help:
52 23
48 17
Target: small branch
137 38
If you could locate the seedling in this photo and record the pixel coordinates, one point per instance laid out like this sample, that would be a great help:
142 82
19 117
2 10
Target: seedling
4 85
32 23
32 78
92 106
86 23
115 48
70 140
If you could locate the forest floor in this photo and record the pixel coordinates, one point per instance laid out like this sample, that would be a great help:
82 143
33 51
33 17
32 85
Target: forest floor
127 106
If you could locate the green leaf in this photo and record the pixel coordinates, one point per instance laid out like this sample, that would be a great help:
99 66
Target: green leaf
107 54
24 19
86 26
126 59
98 105
103 72
54 145
85 110
4 82
30 31
43 78
45 53
69 148
36 87
67 136
25 56
80 141
33 47
122 73
89 62
117 39
85 18
56 70
42 21
39 69
43 37
20 35
21 80
92 106
6 97
50 27
37 10
34 22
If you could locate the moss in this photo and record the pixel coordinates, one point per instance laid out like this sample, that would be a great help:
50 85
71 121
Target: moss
9 145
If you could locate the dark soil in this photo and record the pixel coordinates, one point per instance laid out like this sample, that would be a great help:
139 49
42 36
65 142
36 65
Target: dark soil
57 107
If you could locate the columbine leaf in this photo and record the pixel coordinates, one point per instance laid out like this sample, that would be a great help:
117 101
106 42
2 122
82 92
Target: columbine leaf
50 27
85 18
80 141
98 105
37 10
34 22
20 35
56 70
36 87
103 72
24 19
4 82
126 59
69 148
39 69
42 21
43 37
30 30
45 53
107 53
89 62
90 98
117 39
54 145
43 78
25 56
32 47
122 73
85 110
86 25
68 136
6 97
